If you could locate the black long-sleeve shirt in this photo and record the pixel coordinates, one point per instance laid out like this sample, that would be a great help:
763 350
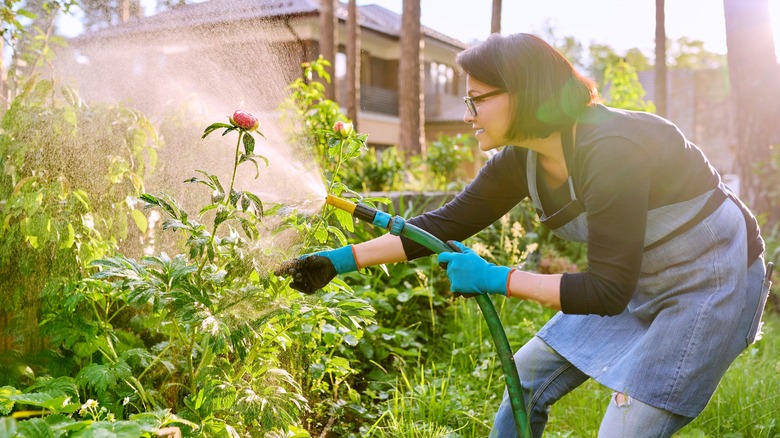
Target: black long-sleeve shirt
625 163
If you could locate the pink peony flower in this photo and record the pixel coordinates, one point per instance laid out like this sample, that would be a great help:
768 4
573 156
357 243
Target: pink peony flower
343 129
245 120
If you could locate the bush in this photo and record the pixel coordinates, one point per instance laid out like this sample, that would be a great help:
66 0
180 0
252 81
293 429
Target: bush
70 178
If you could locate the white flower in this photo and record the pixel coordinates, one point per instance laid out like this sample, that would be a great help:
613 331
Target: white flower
210 325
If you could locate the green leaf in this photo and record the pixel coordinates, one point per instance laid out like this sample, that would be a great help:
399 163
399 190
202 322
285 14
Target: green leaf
35 427
213 127
342 238
256 202
138 217
27 14
249 144
68 242
345 219
215 184
321 234
208 208
6 404
221 216
115 429
248 228
220 396
40 399
234 197
200 181
150 199
96 376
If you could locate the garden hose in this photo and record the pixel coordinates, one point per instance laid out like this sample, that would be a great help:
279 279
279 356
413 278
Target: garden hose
398 226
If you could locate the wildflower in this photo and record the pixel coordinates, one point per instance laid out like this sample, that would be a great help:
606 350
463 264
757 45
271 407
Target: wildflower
481 250
88 407
343 129
244 120
210 325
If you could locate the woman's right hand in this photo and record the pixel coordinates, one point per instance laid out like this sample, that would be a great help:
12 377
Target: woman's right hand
314 271
309 273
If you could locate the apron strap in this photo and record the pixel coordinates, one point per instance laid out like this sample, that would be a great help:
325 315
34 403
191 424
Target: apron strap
712 204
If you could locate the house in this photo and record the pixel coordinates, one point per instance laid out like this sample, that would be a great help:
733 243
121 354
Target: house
249 50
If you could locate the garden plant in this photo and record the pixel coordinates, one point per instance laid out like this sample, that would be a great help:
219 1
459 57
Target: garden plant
203 337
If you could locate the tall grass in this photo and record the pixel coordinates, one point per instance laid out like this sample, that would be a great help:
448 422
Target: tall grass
456 391
747 402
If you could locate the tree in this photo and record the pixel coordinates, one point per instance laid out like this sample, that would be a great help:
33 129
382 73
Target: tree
569 46
638 60
623 89
495 23
353 63
410 95
660 58
99 14
164 5
601 55
691 54
29 42
328 25
755 87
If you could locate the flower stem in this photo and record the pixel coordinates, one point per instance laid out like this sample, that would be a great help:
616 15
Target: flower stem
235 165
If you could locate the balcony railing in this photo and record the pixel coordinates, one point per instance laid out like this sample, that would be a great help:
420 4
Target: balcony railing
379 100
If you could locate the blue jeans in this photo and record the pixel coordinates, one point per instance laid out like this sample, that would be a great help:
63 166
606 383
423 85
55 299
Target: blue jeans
546 377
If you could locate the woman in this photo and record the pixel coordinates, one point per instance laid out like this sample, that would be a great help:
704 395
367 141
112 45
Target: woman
672 293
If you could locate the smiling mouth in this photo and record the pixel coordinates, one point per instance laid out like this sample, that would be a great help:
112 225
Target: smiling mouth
479 131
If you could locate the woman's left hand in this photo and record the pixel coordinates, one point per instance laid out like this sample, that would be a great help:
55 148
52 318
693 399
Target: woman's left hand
471 274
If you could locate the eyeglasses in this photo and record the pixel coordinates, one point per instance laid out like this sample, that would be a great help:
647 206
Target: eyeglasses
471 101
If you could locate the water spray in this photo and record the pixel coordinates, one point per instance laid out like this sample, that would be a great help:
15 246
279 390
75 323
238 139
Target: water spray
399 227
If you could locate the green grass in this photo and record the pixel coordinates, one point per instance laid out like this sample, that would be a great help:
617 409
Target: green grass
456 391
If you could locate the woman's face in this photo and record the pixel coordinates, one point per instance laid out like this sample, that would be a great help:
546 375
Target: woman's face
492 120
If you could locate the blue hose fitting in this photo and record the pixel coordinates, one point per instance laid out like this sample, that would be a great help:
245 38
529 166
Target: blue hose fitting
397 225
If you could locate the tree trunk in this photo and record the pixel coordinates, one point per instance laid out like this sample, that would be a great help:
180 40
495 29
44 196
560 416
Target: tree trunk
353 63
124 12
328 24
411 98
495 23
755 90
660 59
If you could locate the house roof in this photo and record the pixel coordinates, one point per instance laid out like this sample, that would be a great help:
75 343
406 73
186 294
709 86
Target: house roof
211 12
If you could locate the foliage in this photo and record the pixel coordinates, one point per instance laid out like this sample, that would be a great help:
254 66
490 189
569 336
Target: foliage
104 13
203 333
687 53
376 170
442 159
623 88
28 32
69 174
10 12
309 116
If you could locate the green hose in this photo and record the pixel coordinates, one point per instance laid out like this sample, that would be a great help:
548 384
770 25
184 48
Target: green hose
398 226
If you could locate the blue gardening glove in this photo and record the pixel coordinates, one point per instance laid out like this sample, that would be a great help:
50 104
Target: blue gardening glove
471 274
311 272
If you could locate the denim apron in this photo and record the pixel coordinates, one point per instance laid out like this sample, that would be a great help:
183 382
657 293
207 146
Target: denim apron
691 313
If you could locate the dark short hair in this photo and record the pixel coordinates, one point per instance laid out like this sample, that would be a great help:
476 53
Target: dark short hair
546 93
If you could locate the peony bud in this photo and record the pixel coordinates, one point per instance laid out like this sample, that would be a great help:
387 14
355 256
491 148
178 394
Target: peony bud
245 120
343 129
